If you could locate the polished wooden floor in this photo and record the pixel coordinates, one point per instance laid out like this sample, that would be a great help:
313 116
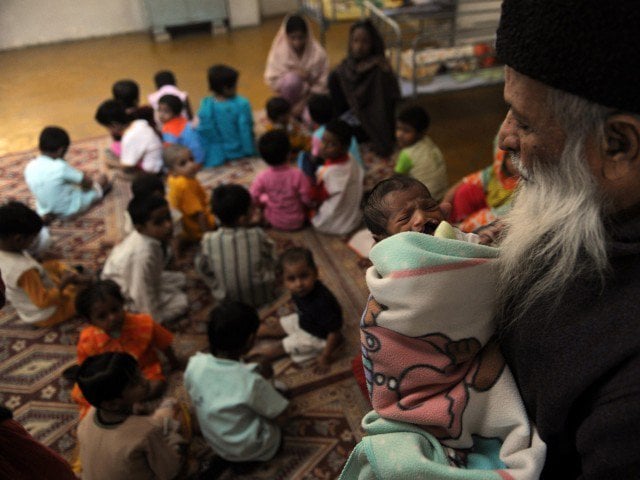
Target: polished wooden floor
62 84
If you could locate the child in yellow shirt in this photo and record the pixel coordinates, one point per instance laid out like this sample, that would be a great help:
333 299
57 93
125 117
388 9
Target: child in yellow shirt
43 294
185 193
279 118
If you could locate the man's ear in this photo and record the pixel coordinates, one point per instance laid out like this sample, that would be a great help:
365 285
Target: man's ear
622 146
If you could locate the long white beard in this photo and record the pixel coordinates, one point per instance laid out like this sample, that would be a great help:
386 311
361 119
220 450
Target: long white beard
554 232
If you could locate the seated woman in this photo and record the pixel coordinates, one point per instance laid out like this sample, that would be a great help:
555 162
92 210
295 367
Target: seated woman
364 89
482 197
297 65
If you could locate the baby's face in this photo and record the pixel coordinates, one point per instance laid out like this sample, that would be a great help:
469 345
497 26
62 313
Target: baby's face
412 210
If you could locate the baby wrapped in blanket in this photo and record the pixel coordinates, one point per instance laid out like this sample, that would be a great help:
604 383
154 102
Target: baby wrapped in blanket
428 346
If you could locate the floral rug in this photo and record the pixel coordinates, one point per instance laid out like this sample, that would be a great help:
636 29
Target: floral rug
327 408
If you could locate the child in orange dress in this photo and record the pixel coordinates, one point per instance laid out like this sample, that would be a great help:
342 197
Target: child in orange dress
185 193
114 330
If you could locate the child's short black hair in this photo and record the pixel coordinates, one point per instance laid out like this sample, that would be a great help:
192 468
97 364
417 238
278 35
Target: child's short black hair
295 23
104 377
277 107
415 116
230 326
320 108
221 77
126 92
164 77
229 202
52 139
173 102
141 208
17 218
274 147
171 153
375 212
146 184
97 291
341 130
110 112
294 255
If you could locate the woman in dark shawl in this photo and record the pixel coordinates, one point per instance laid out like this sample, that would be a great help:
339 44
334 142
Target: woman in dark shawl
365 90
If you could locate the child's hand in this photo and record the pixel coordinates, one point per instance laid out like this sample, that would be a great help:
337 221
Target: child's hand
67 277
322 365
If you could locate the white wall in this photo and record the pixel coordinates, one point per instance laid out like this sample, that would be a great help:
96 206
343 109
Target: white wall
29 22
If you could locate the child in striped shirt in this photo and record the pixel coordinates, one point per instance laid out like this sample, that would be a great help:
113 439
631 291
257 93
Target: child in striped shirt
237 260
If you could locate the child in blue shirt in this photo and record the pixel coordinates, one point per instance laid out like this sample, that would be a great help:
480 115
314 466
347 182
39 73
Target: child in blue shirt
226 119
60 189
238 409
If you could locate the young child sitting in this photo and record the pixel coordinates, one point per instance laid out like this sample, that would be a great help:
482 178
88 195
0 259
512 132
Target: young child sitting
314 330
127 93
141 148
146 184
239 412
431 360
176 128
279 118
321 112
338 183
43 294
137 264
166 84
226 119
60 189
186 194
237 260
114 442
283 191
112 329
420 158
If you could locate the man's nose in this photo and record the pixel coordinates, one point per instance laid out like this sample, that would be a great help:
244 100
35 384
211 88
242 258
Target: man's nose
507 135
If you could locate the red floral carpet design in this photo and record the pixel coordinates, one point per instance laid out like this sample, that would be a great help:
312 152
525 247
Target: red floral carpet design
328 408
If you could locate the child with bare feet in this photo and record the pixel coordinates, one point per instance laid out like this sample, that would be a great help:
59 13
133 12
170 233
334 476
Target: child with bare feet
314 330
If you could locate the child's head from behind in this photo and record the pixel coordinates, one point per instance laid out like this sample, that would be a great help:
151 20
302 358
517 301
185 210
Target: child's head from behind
401 204
126 92
112 381
164 77
102 305
411 125
146 184
112 115
231 203
336 139
232 329
54 142
274 147
298 270
278 110
223 80
19 226
320 109
179 161
151 217
169 106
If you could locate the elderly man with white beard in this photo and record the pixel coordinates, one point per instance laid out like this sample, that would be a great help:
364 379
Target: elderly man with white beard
570 257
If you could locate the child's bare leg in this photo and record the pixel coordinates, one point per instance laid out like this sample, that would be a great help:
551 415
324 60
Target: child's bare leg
268 352
271 328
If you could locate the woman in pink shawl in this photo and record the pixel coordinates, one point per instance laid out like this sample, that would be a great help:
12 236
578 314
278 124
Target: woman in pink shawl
297 65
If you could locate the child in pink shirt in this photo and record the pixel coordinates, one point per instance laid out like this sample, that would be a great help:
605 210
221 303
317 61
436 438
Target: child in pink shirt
283 191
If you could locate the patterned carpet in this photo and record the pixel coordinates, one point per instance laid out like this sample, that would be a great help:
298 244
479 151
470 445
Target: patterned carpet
328 408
